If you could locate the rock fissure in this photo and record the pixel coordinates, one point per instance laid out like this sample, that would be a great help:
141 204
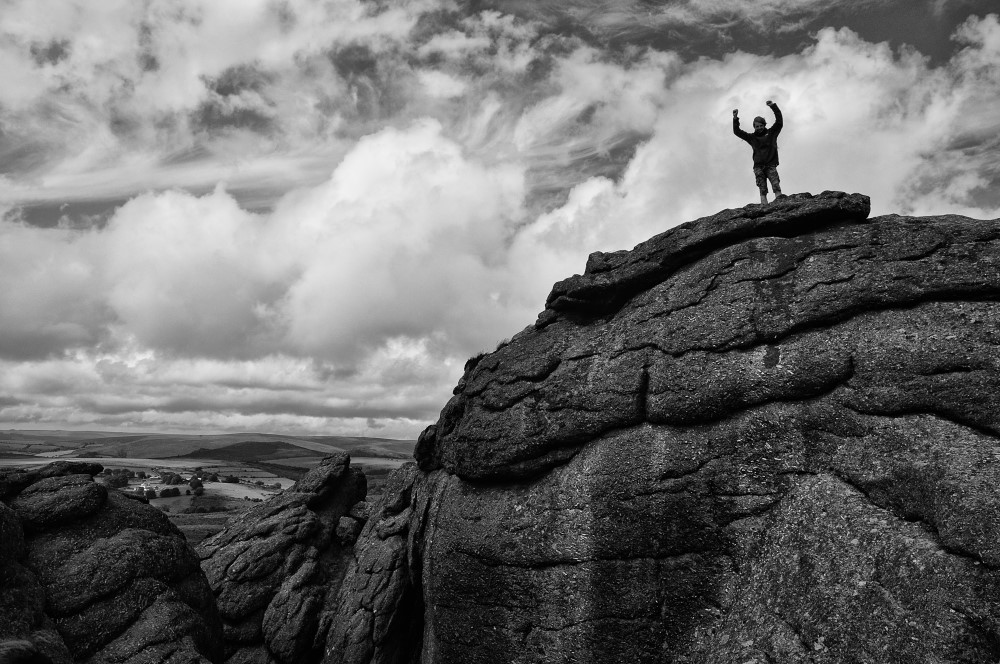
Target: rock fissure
831 319
951 369
815 394
824 322
576 562
528 378
830 282
748 514
671 251
905 412
928 525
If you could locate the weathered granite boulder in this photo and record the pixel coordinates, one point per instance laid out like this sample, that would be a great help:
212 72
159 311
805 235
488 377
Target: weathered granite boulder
13 482
771 435
25 629
380 615
90 575
276 569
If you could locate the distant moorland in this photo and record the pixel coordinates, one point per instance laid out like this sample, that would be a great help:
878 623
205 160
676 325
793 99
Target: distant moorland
232 470
248 446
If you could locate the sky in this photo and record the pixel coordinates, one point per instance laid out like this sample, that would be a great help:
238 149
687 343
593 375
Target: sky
304 216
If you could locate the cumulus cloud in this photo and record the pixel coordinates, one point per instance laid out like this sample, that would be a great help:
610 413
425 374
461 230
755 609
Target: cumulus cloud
183 274
859 117
324 219
402 241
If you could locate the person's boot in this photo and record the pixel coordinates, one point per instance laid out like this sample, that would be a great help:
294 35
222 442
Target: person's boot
763 199
778 194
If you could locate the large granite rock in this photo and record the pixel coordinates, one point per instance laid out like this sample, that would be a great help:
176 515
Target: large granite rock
276 569
91 575
379 617
771 435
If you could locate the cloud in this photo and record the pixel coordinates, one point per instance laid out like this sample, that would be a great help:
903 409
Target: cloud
184 275
99 101
859 117
143 391
367 204
49 298
677 23
402 241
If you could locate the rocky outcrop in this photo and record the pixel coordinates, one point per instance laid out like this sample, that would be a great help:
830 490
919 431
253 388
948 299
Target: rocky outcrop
770 435
276 569
380 614
91 575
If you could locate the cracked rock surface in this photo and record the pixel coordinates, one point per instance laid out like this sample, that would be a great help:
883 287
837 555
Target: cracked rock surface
276 568
89 575
770 435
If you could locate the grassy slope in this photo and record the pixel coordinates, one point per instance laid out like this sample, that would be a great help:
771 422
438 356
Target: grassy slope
162 446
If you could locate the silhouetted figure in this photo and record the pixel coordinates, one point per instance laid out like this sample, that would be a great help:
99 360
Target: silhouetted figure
764 142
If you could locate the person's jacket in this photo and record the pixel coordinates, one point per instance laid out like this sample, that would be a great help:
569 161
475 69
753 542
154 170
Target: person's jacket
763 141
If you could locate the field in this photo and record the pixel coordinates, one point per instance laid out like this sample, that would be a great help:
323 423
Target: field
254 446
263 464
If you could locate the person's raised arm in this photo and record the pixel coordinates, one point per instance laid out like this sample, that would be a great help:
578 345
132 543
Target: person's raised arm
736 126
779 122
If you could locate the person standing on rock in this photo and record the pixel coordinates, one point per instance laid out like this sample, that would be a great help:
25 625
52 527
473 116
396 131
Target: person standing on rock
764 142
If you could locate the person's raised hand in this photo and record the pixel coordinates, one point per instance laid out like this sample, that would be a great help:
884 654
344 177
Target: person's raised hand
769 102
735 112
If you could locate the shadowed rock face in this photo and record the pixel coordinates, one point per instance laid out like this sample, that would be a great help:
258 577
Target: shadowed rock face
88 574
276 569
770 435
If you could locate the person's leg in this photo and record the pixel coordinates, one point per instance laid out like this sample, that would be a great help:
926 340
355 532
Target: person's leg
759 176
772 175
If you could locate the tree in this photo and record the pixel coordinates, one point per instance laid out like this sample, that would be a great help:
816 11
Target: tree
232 479
116 481
195 483
151 493
198 490
168 477
141 474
